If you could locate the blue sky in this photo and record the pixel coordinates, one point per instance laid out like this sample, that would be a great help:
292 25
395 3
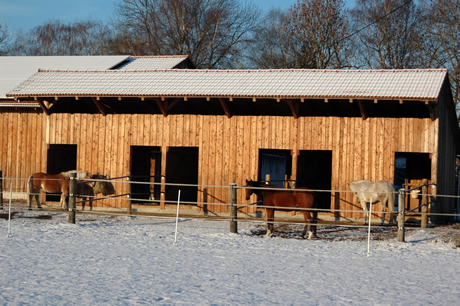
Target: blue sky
25 14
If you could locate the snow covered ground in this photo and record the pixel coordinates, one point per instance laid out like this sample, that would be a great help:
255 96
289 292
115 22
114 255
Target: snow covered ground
130 260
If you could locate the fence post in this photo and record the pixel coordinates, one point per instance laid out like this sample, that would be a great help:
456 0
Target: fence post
424 222
401 216
205 201
72 191
1 189
128 204
233 210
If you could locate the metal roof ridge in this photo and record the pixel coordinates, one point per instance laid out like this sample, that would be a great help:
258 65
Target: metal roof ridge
159 56
250 70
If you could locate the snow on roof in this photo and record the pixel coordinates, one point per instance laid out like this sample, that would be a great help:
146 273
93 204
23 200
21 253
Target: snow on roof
422 84
152 62
15 69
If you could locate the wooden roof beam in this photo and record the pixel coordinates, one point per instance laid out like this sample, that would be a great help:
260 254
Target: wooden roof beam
224 105
294 108
99 106
362 110
166 106
161 106
45 109
430 110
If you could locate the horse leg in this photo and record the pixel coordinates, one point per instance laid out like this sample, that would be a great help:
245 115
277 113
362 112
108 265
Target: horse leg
270 218
64 201
384 208
309 225
366 212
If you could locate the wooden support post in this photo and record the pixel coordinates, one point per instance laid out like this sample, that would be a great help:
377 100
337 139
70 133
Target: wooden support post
1 190
72 191
337 206
267 179
424 210
233 209
128 204
401 217
205 201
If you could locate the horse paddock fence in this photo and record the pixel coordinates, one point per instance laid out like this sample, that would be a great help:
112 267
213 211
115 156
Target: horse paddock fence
236 211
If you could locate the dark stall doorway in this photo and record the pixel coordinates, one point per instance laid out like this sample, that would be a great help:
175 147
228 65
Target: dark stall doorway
60 158
410 170
145 168
276 163
182 168
314 171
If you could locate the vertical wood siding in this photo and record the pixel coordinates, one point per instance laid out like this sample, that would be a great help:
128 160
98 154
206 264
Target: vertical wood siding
228 147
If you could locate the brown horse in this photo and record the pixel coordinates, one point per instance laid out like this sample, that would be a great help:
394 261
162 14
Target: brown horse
87 190
286 200
52 183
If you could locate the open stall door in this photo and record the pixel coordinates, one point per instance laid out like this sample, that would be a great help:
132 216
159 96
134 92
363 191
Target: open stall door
182 168
314 171
277 164
60 158
145 168
410 170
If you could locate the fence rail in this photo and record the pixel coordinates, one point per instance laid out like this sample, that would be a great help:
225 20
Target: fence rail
236 209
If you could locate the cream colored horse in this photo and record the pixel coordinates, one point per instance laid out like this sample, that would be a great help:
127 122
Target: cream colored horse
381 191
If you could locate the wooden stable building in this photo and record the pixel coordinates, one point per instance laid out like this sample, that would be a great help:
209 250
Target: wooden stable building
318 128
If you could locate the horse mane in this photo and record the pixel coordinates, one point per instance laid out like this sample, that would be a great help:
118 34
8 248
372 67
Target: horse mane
81 175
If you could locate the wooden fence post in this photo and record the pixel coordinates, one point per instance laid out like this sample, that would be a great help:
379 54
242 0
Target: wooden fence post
401 216
72 191
424 204
233 209
128 204
205 201
1 189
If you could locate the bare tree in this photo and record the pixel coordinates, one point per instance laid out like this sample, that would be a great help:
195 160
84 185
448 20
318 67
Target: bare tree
389 33
3 39
319 29
56 38
442 39
310 34
210 31
271 45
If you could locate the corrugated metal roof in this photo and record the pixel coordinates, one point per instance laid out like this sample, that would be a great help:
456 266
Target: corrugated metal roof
16 69
153 62
424 84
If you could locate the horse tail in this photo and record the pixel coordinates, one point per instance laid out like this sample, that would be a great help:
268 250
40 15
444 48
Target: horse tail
29 184
315 206
391 206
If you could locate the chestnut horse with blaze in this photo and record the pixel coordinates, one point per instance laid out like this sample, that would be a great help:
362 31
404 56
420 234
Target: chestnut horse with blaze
286 200
52 183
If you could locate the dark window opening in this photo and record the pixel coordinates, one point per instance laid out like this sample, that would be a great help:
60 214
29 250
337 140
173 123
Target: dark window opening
277 164
314 171
60 158
145 168
182 168
410 170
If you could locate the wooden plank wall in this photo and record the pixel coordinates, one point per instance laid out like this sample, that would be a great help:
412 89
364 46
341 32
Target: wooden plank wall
23 148
228 147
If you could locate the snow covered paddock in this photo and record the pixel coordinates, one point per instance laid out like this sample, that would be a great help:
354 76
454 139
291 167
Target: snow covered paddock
128 260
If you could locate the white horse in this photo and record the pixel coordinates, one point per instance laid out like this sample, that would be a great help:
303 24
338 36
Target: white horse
381 191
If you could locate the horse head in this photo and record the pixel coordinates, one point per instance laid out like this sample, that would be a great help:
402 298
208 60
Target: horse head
102 185
249 190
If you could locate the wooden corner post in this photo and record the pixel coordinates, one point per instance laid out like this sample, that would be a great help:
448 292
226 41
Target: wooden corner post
233 209
128 186
1 190
72 191
424 211
401 216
